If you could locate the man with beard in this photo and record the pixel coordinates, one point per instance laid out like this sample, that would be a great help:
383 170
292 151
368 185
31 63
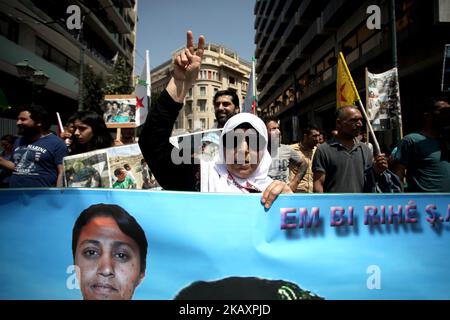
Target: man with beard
343 164
37 159
425 154
226 105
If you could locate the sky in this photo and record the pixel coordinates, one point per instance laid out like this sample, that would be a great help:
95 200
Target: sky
162 26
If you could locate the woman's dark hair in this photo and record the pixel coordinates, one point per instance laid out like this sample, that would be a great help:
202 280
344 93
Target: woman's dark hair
101 136
127 224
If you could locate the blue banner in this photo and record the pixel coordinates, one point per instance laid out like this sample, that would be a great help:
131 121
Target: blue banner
342 246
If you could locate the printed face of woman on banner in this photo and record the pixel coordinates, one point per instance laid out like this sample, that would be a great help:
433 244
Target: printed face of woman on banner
108 261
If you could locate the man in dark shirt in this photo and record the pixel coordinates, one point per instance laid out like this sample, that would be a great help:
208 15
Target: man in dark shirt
424 155
38 155
343 164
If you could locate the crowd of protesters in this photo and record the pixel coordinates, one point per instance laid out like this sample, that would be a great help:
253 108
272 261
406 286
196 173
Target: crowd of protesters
249 156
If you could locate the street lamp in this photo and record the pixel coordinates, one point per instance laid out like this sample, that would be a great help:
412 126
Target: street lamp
37 78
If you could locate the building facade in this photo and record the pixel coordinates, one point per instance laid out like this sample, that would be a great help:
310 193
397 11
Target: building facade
297 44
221 69
42 32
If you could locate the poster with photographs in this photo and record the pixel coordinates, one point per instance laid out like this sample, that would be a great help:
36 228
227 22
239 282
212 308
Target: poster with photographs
120 167
383 100
119 109
129 170
201 145
87 170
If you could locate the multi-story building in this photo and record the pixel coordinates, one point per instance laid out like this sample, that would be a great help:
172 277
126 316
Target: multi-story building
38 31
297 44
221 69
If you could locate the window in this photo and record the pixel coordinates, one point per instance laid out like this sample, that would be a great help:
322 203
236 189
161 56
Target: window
209 75
325 63
355 40
189 107
190 92
9 28
203 123
203 74
56 57
189 124
232 80
202 91
202 105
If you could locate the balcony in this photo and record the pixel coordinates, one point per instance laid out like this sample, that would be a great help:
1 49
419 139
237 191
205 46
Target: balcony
296 28
60 81
274 61
272 18
295 59
124 3
313 37
263 52
116 16
334 13
110 39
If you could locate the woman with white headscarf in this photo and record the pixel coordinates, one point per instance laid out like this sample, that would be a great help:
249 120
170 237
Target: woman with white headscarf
243 162
244 138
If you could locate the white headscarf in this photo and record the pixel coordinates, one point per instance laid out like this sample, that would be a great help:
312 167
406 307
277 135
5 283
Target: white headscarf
215 176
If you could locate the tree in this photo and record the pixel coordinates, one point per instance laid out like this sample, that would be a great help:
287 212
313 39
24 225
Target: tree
93 90
120 79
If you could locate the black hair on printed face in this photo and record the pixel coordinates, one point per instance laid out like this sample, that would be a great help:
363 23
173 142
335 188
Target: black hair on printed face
127 224
245 288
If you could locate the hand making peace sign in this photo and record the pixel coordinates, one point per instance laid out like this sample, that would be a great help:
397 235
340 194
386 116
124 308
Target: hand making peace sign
187 63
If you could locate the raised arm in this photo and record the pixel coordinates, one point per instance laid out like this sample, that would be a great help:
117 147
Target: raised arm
154 139
186 67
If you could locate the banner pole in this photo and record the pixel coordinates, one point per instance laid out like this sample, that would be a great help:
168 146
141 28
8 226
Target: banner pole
376 146
367 99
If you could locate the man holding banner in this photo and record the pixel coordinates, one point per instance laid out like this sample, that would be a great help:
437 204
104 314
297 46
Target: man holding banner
343 164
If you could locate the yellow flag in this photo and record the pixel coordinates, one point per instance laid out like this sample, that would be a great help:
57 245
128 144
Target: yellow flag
346 93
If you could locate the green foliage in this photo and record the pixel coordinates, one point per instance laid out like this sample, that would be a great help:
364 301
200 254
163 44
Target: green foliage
119 82
92 90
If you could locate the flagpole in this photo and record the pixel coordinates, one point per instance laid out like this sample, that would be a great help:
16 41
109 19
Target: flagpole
253 85
376 145
367 99
149 80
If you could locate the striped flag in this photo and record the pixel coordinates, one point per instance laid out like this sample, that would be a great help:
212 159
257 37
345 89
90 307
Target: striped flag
143 92
346 93
250 99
